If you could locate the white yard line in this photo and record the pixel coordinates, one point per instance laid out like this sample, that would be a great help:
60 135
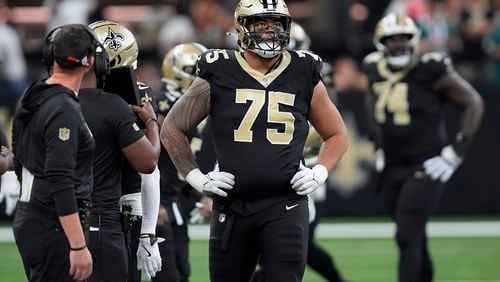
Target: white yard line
359 230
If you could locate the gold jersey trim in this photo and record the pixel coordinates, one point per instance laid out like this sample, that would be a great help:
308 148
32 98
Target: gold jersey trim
264 79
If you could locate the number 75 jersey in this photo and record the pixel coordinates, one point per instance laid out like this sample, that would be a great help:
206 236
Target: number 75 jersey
259 122
407 107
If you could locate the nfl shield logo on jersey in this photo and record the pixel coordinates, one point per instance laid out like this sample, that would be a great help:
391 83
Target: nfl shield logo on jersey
64 133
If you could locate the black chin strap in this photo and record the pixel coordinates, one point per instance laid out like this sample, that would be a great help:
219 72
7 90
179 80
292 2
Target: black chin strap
276 64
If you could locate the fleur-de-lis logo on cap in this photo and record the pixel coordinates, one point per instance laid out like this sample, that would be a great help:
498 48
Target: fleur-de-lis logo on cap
113 40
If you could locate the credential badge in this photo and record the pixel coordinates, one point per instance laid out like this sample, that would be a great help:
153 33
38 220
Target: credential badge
64 133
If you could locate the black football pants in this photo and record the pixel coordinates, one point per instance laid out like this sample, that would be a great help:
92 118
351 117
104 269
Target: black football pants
411 197
278 234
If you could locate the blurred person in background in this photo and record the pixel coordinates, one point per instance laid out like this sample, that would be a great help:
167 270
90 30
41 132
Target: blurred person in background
475 24
415 157
6 156
492 44
53 149
13 68
259 101
211 23
140 192
178 70
69 11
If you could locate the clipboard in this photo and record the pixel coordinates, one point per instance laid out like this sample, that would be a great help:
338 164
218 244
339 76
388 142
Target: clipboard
122 81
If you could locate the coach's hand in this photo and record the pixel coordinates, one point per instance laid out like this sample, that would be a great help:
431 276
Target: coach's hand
443 166
80 264
213 181
306 180
148 255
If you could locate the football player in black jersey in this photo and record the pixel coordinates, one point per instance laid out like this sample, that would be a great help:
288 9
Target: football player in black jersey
259 101
317 257
407 93
140 192
178 70
53 157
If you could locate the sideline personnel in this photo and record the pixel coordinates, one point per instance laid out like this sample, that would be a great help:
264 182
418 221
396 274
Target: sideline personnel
53 150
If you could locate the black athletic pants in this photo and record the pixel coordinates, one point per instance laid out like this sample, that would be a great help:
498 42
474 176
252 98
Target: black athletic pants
108 247
42 244
277 234
411 197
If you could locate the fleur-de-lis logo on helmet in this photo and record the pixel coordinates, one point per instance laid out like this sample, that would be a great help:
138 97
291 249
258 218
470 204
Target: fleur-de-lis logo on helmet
113 39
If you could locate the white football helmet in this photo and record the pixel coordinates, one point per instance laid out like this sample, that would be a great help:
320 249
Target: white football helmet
179 65
299 40
247 12
392 25
119 42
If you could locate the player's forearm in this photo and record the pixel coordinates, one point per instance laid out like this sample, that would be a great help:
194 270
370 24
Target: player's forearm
186 114
150 198
73 230
177 145
152 133
332 150
472 115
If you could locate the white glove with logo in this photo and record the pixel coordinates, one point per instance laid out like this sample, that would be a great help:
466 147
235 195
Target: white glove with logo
443 166
148 255
306 180
213 181
379 160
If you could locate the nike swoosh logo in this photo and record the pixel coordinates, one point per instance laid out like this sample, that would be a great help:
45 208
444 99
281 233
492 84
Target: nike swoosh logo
149 254
142 87
290 207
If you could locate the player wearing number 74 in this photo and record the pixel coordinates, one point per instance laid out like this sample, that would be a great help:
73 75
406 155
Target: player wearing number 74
259 101
407 97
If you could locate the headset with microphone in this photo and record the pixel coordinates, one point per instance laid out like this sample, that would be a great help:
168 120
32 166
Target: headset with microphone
101 62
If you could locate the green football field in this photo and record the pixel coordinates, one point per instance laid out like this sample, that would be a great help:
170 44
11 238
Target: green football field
374 260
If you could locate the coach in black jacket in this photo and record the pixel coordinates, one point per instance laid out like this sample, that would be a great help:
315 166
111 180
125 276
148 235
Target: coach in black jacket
53 150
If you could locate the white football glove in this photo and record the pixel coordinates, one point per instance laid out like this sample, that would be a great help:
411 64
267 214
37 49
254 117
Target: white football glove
379 160
443 166
306 180
148 256
213 181
197 214
312 209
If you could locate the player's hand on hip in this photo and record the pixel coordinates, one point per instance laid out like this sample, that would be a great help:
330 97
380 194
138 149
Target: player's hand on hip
307 180
443 166
148 255
214 182
80 264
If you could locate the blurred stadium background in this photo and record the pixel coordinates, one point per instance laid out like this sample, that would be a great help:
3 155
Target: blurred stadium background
341 32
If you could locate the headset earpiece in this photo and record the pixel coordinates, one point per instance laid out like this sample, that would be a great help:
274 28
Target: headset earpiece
101 62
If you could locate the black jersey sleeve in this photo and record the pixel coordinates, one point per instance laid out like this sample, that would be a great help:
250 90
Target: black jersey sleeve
436 64
124 125
204 60
61 147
